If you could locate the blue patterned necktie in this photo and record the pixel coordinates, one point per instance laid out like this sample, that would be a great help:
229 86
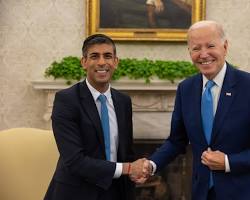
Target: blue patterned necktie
207 113
105 124
207 116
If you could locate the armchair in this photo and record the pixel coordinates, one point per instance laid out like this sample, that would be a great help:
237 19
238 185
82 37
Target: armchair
27 161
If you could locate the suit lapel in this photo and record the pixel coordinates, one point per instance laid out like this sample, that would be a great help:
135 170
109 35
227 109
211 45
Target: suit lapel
117 106
89 106
197 108
226 98
120 122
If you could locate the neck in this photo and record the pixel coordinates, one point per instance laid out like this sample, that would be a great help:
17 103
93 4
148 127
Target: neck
102 89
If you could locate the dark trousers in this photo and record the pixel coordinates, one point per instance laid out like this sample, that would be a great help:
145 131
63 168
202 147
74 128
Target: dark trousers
211 194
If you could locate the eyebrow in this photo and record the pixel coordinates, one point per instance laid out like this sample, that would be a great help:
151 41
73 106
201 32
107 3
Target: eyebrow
105 53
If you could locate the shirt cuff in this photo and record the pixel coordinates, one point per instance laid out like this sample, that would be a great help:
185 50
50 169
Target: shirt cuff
154 167
118 170
227 166
150 2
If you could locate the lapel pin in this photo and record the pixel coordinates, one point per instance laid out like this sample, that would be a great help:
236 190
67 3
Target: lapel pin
228 94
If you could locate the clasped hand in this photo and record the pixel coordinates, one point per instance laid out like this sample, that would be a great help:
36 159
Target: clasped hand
140 170
215 160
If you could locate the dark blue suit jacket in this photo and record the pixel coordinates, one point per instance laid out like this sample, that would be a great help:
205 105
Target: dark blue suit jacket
82 171
231 135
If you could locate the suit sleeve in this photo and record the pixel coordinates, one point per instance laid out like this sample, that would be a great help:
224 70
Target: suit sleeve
177 141
240 163
66 128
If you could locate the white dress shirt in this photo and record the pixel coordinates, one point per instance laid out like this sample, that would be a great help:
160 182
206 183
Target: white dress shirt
112 124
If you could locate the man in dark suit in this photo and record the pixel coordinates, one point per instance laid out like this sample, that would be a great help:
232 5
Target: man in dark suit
212 112
94 161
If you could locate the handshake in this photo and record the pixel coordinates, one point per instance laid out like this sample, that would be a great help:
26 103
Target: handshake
138 171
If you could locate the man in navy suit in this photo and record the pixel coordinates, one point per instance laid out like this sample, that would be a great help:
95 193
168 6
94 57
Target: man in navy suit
93 165
221 160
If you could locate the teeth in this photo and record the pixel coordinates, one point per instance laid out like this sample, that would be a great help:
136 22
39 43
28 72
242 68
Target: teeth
206 63
101 70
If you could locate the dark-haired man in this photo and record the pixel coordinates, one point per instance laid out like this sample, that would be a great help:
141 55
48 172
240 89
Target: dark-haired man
92 124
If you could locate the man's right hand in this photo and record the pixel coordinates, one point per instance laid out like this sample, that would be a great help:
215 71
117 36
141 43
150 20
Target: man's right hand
139 170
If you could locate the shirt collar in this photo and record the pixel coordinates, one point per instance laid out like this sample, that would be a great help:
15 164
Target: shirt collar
95 93
218 79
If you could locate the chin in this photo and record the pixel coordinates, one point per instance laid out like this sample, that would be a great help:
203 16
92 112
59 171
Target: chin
209 75
103 80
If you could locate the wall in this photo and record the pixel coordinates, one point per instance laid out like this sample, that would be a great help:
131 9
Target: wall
35 33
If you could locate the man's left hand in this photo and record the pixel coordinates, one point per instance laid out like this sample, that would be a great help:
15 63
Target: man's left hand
215 160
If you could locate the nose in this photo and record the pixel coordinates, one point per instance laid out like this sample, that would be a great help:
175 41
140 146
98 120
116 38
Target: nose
101 61
204 53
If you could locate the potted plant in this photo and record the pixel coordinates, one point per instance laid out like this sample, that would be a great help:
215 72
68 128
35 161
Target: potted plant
70 69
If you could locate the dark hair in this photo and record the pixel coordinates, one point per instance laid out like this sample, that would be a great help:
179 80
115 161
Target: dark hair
96 39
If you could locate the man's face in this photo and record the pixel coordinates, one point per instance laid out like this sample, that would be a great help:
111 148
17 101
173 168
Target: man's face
207 50
100 64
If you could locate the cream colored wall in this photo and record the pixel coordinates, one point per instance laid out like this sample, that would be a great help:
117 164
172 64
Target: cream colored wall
34 33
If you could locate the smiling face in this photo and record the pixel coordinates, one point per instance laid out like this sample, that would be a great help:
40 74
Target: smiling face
207 48
100 62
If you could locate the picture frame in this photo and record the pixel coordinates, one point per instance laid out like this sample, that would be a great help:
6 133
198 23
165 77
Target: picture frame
139 20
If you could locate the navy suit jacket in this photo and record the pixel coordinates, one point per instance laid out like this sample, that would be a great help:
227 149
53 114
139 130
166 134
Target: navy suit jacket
230 134
82 171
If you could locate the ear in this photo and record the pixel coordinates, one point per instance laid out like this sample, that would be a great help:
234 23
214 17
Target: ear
83 61
116 62
189 52
225 46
